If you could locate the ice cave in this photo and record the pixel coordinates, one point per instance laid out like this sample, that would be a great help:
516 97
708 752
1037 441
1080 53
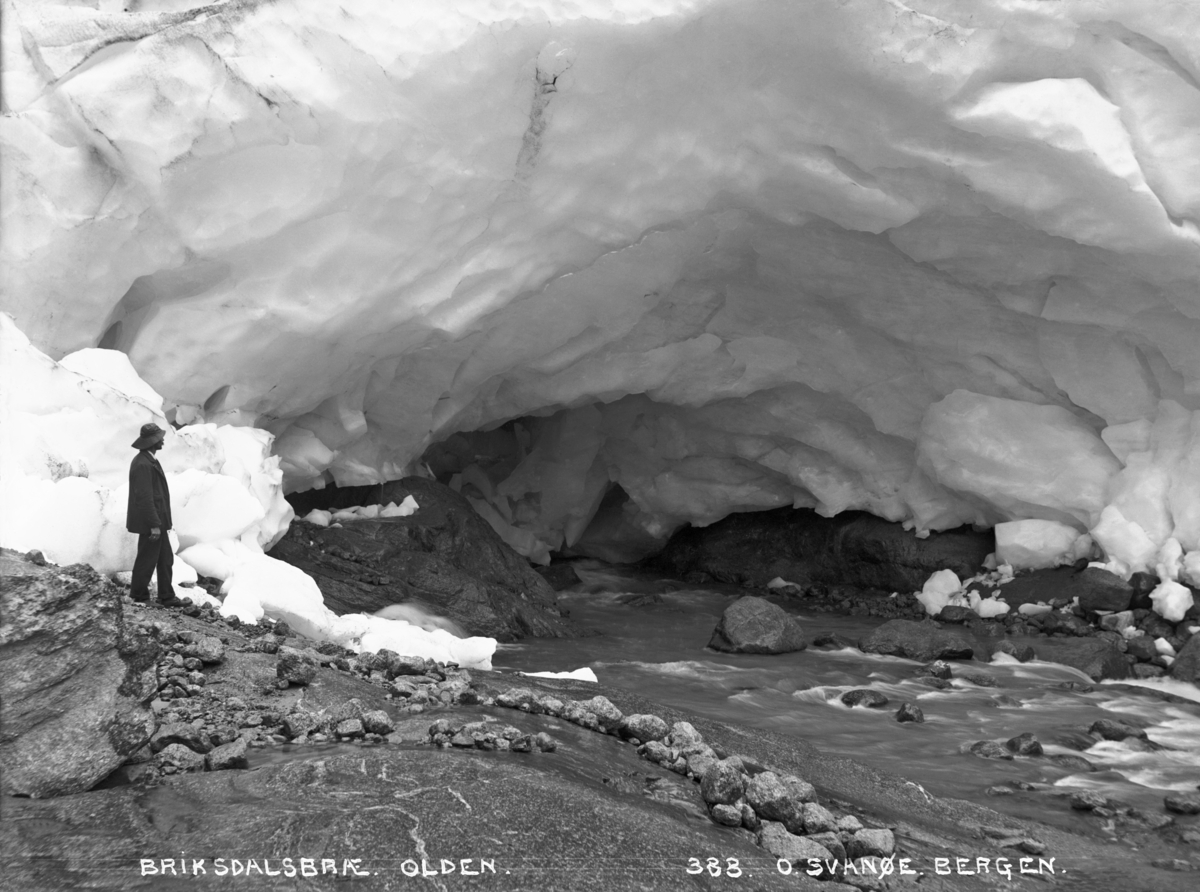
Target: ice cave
612 271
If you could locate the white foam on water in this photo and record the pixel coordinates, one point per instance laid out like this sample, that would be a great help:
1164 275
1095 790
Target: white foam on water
699 669
1169 685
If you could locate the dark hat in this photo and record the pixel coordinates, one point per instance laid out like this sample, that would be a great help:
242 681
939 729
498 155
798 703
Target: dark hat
151 434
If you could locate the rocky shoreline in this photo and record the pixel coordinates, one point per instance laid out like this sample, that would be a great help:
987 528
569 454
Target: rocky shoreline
221 696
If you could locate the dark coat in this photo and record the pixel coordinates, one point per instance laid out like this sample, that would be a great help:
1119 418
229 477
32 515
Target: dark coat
149 498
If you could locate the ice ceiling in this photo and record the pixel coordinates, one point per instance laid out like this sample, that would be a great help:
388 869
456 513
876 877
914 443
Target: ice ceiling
937 261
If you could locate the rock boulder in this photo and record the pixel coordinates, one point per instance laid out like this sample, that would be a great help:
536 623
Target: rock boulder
925 641
75 679
755 626
1187 662
1095 657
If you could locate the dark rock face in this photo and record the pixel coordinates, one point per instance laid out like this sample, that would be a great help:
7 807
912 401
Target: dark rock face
1095 657
854 548
1187 663
444 555
755 626
74 680
925 641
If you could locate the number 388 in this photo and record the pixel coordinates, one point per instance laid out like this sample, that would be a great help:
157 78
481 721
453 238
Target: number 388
714 867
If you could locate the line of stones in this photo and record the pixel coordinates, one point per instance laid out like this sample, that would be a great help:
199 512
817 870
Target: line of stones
782 810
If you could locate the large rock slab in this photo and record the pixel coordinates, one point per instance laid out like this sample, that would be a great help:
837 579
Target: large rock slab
445 557
756 626
853 548
924 641
74 680
1096 658
1096 589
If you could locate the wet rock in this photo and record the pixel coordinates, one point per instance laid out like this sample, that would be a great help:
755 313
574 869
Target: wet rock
180 758
1095 657
1183 803
1187 662
775 838
871 843
937 683
376 721
723 783
352 728
864 697
644 727
1025 745
924 641
832 639
989 749
1088 800
445 555
1116 622
909 712
1142 647
755 626
544 742
1071 763
181 733
227 756
937 669
523 744
1102 590
297 724
781 799
1111 729
1147 670
295 666
402 664
1066 624
1022 652
979 678
350 709
953 613
74 677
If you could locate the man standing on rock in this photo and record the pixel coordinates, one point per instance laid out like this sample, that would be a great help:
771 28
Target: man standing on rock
149 516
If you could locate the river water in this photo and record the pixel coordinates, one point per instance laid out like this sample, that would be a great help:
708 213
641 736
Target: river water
652 637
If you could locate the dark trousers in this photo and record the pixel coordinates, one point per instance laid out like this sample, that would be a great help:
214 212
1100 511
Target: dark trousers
152 554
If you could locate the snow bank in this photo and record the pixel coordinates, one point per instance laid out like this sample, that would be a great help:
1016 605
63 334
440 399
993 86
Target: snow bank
261 585
64 459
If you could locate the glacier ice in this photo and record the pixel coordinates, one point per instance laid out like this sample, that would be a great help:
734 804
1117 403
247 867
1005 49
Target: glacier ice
1037 544
619 267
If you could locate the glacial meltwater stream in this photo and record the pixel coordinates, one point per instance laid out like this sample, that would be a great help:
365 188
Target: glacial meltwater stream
652 638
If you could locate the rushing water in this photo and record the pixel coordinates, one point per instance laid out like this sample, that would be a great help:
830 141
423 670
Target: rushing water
652 639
